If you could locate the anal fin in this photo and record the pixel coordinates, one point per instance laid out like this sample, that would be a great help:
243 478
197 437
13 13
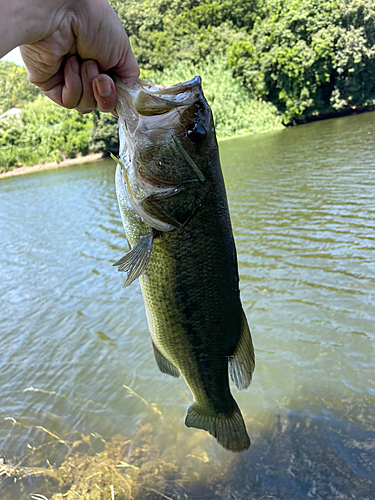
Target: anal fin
164 365
242 363
135 262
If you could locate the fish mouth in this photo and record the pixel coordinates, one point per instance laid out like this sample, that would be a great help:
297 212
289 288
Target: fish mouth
148 99
151 111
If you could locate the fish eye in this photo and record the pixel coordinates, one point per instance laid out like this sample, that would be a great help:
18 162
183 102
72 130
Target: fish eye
196 133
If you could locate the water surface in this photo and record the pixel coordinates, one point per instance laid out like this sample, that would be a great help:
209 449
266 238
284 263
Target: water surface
303 211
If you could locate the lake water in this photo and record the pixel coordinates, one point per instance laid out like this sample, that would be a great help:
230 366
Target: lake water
302 203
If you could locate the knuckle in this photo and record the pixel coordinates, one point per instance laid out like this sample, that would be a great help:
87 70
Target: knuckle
84 111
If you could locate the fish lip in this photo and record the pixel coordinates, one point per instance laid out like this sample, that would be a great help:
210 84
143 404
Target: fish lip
148 99
176 89
153 88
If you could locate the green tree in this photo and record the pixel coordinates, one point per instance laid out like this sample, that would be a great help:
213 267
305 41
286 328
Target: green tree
163 32
43 132
311 57
15 89
104 134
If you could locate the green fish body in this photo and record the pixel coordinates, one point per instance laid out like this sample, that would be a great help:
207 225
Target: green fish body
175 213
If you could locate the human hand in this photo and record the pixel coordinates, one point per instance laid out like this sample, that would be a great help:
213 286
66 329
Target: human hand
73 43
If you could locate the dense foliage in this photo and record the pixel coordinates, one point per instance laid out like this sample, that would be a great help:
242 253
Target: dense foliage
42 132
165 31
15 89
45 132
307 57
311 57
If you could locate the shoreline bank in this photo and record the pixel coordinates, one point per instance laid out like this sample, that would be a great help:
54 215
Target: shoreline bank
90 158
51 165
98 156
351 111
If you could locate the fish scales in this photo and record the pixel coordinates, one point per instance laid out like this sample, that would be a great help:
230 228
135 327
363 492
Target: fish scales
177 223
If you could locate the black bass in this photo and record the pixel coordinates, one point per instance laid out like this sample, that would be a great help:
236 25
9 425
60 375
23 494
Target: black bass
173 205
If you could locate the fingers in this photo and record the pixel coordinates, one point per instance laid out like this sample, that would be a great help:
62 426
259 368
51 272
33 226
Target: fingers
89 71
105 93
81 87
127 68
68 60
72 90
69 64
65 87
100 35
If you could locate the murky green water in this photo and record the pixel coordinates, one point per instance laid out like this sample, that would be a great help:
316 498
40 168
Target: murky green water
303 210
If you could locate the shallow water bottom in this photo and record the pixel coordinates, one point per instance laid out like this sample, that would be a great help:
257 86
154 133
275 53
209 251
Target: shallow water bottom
294 455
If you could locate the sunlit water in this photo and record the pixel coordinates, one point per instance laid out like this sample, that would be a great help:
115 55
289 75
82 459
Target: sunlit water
302 204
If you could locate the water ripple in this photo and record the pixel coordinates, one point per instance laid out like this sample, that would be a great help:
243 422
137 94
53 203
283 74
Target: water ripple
302 209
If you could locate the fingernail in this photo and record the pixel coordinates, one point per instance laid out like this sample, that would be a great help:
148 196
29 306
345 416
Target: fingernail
74 64
104 87
92 69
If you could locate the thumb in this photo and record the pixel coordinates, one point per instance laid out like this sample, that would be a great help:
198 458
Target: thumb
127 68
105 41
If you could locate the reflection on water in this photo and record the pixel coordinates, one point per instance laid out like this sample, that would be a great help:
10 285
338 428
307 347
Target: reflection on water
74 344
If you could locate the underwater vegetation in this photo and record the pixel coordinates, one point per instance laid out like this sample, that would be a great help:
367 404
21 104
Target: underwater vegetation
292 457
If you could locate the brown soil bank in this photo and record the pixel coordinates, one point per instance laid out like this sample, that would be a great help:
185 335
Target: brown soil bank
353 110
54 164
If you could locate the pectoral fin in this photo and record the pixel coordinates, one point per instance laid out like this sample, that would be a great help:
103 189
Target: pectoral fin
164 365
135 262
242 364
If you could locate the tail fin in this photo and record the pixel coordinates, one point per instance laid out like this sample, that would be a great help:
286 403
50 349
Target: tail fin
228 429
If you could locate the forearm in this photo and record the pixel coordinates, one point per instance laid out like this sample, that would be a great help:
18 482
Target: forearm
25 21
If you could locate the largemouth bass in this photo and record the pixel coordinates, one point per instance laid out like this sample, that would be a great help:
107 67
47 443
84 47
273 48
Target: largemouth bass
173 205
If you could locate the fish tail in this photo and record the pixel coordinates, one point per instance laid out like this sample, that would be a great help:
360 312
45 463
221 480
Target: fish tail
228 429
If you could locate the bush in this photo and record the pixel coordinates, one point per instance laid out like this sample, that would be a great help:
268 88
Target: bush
163 32
104 134
43 132
236 111
311 57
15 89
